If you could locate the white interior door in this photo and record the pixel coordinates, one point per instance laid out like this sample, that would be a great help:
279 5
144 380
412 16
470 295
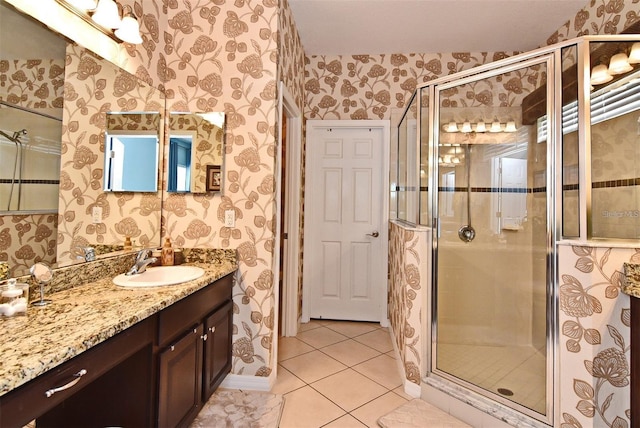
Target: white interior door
345 257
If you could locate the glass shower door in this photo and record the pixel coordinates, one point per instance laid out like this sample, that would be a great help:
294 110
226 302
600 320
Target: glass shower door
491 251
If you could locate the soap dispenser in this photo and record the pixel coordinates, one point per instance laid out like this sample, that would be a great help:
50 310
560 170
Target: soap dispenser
167 253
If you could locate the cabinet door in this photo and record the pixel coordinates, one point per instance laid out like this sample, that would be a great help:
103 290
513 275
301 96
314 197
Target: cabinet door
217 354
180 382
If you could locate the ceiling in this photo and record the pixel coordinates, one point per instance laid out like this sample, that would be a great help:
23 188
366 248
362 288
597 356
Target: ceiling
346 27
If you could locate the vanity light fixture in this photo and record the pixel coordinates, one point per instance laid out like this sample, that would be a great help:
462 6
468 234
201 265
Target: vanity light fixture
619 64
129 30
600 74
451 127
634 55
107 16
495 126
510 127
480 127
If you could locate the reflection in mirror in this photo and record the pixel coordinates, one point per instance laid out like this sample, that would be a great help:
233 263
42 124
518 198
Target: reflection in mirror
32 63
196 141
131 152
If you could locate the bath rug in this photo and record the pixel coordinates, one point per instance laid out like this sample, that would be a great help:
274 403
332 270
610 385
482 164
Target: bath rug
418 413
236 408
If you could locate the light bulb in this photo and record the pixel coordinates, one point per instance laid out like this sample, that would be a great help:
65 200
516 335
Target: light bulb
600 74
619 64
495 126
481 127
107 14
129 30
511 126
634 55
466 127
451 127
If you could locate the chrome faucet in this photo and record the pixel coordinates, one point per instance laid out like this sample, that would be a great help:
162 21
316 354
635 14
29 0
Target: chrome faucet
142 260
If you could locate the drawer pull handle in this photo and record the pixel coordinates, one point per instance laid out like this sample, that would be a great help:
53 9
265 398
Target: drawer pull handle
204 337
212 329
77 376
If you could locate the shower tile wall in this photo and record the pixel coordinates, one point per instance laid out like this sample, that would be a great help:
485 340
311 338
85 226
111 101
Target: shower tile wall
615 177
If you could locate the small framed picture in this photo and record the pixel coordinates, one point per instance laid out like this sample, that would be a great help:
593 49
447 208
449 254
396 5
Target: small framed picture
214 178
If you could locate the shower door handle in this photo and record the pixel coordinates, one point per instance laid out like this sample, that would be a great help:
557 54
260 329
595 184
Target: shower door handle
374 234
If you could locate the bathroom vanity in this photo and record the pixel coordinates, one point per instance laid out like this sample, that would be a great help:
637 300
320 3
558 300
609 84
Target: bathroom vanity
102 355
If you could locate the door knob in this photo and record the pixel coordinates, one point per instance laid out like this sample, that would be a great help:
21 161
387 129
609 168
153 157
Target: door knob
374 234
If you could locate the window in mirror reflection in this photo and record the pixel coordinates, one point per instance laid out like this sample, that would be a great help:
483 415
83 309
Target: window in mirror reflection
179 179
131 162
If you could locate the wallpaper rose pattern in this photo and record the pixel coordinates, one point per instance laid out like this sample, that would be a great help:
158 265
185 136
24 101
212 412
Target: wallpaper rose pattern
594 337
37 84
408 285
94 87
223 56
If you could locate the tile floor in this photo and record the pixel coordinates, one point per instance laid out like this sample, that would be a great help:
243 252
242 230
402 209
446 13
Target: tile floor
338 374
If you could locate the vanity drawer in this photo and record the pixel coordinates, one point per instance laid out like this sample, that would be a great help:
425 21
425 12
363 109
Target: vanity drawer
173 320
20 406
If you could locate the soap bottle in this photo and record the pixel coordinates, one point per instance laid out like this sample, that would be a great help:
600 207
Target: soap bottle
167 252
127 243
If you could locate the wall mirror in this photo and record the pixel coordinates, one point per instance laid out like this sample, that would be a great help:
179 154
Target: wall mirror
63 96
131 152
196 148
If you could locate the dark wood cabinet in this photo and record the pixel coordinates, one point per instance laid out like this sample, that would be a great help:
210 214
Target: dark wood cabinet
158 372
194 358
180 380
217 350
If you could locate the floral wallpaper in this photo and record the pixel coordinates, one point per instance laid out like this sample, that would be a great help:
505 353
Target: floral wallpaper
598 17
409 268
594 336
206 56
94 87
27 239
34 83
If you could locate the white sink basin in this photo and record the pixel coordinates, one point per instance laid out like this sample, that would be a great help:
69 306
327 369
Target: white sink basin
159 276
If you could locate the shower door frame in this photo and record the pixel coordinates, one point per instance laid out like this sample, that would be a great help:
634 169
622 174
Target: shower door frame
548 59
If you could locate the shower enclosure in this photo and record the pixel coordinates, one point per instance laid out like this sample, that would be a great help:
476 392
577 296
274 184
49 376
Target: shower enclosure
29 160
500 161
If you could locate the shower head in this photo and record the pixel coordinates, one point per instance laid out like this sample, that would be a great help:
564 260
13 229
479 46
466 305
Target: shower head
17 134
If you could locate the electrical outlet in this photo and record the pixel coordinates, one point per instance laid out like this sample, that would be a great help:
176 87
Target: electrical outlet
230 218
96 214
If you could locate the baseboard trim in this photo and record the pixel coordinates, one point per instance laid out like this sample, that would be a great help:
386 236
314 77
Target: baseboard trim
250 383
412 389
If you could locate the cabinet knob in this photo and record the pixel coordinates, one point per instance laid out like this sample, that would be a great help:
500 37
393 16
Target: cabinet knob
204 337
173 347
212 329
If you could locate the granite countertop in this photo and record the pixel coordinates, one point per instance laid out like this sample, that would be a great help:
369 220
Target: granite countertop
81 317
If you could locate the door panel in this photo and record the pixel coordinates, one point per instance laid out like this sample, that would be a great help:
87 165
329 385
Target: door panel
344 258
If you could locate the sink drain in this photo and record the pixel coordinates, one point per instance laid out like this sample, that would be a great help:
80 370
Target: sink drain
506 392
